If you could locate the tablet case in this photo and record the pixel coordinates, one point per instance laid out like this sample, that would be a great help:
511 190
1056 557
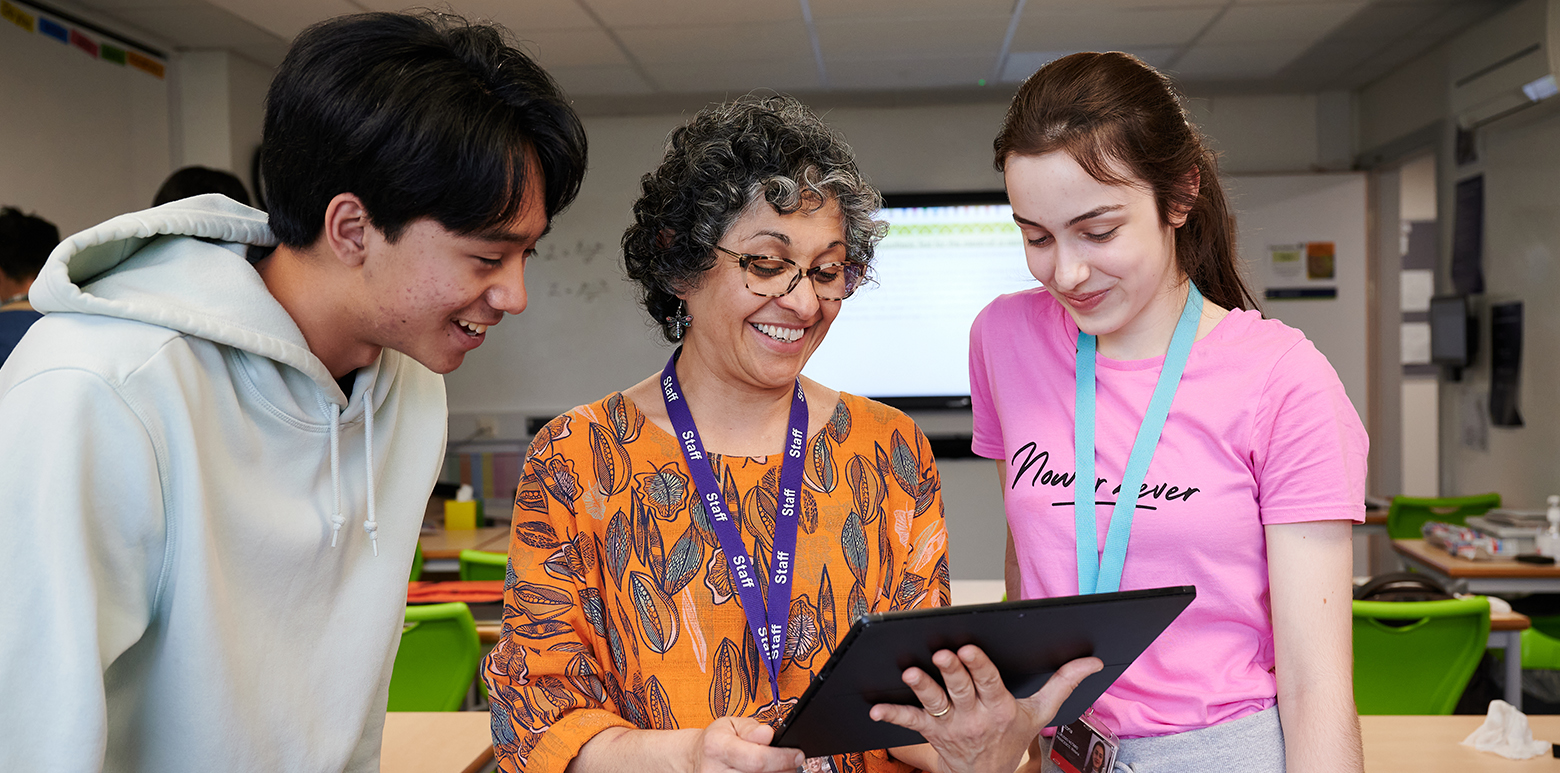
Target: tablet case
1027 640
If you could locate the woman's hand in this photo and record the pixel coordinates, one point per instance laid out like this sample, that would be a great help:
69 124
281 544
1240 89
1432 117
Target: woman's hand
976 724
741 744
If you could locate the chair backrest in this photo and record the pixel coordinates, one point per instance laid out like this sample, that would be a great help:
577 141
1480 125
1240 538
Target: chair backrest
417 562
1407 514
437 660
482 565
1540 650
1421 663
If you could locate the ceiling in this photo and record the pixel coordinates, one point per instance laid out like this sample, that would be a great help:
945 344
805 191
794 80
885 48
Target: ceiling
623 52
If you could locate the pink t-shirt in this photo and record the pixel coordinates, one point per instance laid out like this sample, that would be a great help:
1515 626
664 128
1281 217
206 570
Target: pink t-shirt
1260 432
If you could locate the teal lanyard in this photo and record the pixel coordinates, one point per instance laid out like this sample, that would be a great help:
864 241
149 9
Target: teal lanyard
1100 572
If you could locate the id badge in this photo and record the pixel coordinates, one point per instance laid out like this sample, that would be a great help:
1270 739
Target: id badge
1085 746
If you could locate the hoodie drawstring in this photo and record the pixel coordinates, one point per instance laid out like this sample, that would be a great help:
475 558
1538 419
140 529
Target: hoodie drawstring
336 519
371 526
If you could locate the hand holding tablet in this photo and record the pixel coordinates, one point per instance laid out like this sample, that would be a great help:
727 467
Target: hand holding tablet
973 702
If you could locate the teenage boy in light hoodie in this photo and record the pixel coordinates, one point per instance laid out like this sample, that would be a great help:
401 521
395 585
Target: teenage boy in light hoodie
214 472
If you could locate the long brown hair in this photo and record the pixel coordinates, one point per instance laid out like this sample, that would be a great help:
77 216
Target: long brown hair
1113 113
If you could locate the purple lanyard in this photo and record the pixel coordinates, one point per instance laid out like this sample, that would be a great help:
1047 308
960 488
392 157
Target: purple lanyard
760 618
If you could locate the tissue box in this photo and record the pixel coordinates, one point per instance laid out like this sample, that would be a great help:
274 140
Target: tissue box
462 516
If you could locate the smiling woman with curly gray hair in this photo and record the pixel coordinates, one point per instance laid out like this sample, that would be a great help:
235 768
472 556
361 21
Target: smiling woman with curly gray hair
726 160
689 551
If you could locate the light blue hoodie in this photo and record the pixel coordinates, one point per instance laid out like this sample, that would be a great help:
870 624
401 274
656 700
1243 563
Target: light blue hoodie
171 460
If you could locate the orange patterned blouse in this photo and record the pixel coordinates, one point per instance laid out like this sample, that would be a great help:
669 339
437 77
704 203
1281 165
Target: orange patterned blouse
619 609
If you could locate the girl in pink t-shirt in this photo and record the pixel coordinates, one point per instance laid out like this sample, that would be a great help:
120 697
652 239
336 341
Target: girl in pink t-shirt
1258 473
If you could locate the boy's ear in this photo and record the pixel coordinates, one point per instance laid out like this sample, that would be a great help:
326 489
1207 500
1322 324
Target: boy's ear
1192 185
346 229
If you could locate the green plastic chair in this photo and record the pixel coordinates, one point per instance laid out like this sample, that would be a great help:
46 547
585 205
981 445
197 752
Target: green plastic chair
1407 514
1548 625
482 565
1540 650
417 562
437 660
1421 667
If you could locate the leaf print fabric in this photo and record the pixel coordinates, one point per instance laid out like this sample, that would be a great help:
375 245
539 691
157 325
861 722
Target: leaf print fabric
621 610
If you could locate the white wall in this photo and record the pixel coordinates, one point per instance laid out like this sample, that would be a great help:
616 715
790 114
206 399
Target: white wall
219 111
1291 209
1421 437
81 139
247 84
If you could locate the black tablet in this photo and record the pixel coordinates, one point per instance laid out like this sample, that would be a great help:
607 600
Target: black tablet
1027 640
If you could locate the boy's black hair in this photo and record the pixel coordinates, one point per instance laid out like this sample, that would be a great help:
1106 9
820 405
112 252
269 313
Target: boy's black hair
195 180
421 116
25 243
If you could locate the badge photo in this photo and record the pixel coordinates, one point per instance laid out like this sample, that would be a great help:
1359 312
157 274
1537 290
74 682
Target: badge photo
1085 746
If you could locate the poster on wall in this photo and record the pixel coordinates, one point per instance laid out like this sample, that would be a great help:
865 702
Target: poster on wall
1304 270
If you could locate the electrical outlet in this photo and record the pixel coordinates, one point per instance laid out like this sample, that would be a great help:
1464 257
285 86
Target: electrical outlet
487 427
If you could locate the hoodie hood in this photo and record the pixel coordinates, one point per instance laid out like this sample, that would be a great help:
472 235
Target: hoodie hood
142 267
181 266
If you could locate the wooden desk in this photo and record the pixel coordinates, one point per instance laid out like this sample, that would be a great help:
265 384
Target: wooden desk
1496 576
441 549
448 544
1434 745
436 742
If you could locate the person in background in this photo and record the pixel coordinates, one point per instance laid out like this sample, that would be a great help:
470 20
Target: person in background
654 527
195 180
1138 395
25 242
210 523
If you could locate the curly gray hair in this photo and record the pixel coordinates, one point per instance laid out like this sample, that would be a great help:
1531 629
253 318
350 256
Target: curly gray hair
727 159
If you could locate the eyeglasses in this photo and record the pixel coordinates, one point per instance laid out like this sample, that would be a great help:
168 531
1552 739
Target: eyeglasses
774 277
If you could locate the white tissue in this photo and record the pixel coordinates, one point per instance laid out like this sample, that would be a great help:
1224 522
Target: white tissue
1505 732
464 493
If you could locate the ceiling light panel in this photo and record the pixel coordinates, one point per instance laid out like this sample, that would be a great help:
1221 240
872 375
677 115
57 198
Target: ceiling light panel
725 44
1042 30
1269 23
639 13
910 9
905 38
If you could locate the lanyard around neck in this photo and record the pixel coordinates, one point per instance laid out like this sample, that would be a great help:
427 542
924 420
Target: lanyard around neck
1100 571
767 622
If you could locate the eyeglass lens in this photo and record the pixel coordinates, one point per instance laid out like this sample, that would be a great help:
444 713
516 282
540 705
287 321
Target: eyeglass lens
775 277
